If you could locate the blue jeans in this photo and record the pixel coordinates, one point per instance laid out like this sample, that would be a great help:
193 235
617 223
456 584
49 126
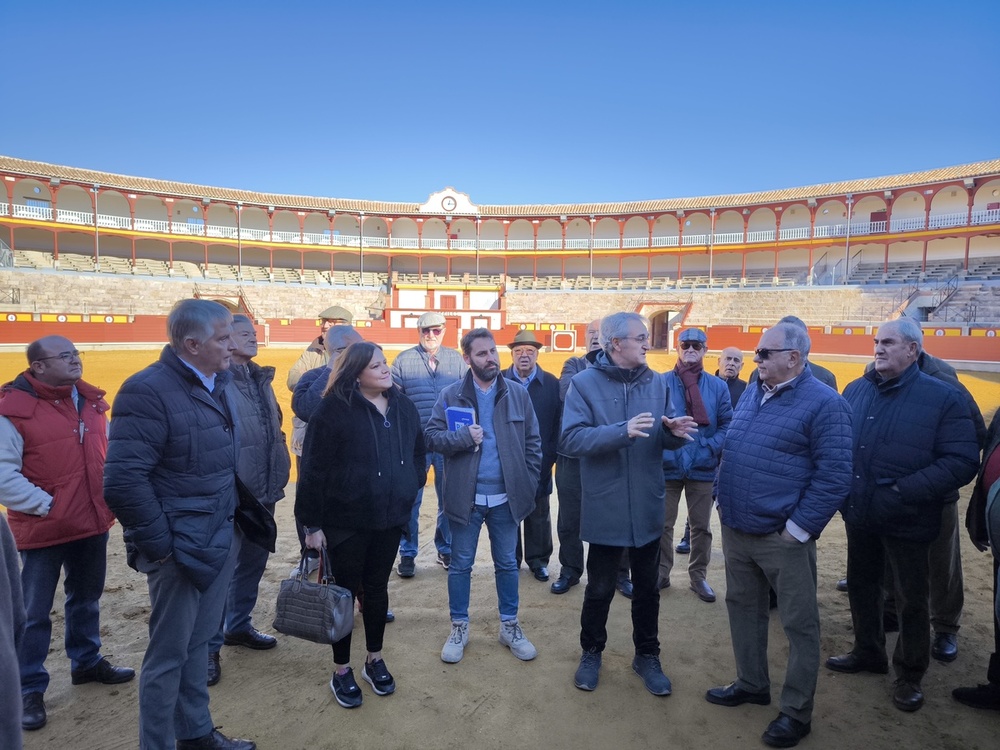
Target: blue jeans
503 541
442 532
251 561
85 562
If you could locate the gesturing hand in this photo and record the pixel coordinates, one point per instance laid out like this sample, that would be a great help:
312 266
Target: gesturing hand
682 427
640 424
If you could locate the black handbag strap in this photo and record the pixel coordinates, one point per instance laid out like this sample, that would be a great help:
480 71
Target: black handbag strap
324 575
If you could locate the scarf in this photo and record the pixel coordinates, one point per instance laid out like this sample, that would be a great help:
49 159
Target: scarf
689 375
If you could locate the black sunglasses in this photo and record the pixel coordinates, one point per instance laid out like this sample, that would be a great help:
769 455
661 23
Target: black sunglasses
696 345
764 354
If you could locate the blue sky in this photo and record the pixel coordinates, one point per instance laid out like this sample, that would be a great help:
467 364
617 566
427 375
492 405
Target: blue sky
515 102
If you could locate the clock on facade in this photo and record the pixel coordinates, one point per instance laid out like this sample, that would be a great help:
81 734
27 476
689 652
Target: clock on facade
448 203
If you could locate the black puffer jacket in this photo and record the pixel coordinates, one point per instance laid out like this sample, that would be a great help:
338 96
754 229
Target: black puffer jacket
914 445
170 474
360 470
264 462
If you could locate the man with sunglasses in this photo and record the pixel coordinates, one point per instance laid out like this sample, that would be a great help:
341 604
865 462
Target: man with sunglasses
785 470
691 469
422 373
53 442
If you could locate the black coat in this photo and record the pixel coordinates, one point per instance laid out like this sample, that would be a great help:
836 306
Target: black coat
543 391
357 472
914 445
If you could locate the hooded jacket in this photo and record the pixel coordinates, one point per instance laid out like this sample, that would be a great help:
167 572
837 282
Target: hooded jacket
623 502
518 443
361 470
52 462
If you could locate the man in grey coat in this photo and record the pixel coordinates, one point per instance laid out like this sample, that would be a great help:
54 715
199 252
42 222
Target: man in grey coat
422 372
614 422
264 466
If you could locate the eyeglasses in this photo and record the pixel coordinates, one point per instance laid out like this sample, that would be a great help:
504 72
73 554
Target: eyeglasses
696 345
64 356
641 338
764 354
435 331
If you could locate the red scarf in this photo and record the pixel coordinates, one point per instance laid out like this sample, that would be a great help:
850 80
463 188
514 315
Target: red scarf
689 375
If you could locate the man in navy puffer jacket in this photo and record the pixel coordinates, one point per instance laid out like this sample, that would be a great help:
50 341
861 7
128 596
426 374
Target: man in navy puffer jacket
914 445
785 471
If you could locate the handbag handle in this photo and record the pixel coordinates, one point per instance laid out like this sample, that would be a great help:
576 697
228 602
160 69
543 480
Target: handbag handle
323 575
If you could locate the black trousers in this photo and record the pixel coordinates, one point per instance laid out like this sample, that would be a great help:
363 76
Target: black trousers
602 576
364 560
908 561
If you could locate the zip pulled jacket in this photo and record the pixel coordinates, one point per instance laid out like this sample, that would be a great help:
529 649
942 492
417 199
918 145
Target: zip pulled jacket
518 443
361 470
52 462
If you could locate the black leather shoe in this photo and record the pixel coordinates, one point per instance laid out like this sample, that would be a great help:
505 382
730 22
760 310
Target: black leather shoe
842 584
625 586
851 663
907 696
104 672
785 731
563 584
214 668
683 547
216 740
251 638
540 573
703 590
730 695
33 716
945 647
982 696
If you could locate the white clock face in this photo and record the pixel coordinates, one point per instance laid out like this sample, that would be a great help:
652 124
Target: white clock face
448 203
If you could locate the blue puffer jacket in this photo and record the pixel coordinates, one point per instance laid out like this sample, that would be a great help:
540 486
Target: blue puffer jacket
789 459
412 374
914 446
699 459
170 474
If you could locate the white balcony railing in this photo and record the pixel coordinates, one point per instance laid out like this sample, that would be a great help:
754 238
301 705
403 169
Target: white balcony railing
231 233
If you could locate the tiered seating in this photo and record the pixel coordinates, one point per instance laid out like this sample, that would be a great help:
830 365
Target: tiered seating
984 269
75 262
970 303
908 272
32 259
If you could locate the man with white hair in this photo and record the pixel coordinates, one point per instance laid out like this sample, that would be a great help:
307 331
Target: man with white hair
914 444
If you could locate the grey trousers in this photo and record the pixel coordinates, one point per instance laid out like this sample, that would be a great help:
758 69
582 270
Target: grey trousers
947 583
699 503
754 564
173 684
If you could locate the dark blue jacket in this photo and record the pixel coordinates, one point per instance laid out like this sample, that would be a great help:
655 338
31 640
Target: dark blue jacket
914 445
170 474
789 459
698 459
543 391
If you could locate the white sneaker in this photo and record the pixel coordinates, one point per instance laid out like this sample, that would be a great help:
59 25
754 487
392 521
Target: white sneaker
513 637
454 647
312 565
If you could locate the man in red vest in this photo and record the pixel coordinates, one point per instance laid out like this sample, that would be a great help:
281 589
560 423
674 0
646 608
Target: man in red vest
53 440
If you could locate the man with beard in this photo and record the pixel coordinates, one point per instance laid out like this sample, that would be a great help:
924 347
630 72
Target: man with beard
491 470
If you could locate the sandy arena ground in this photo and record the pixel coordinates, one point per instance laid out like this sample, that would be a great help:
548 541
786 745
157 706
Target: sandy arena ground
280 698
